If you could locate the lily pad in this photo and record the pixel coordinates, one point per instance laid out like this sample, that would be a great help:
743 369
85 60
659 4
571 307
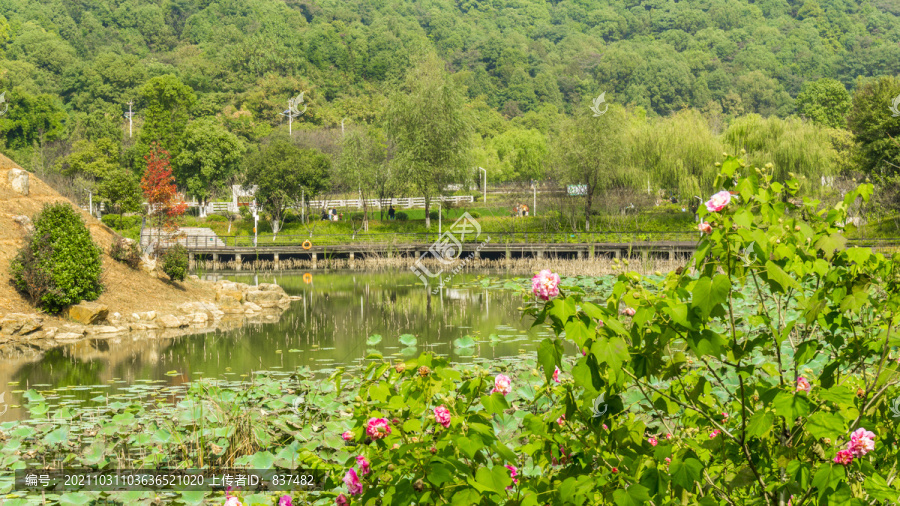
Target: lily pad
408 339
373 339
464 342
409 351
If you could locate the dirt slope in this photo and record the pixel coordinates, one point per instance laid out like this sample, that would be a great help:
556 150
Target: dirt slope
126 291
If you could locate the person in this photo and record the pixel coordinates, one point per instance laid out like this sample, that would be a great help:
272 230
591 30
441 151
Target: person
334 216
324 215
391 213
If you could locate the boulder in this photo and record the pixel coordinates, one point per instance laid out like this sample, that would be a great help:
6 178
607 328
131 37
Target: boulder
105 329
217 314
62 336
169 321
264 298
50 332
25 223
73 329
18 179
144 325
147 316
198 318
251 307
88 313
19 324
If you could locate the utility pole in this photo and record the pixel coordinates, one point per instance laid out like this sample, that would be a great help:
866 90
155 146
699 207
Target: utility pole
130 115
484 186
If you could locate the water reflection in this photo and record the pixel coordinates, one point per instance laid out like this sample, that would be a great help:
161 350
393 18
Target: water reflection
326 328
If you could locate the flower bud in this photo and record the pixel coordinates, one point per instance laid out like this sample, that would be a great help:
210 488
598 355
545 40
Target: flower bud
419 485
424 370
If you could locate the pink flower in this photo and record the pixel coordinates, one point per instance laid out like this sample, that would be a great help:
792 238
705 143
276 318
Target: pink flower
615 470
653 441
556 374
442 415
352 481
725 416
714 433
718 201
545 284
363 464
705 227
605 427
668 461
861 442
347 435
232 501
628 311
844 457
285 501
668 435
378 428
561 420
803 385
341 500
502 384
513 472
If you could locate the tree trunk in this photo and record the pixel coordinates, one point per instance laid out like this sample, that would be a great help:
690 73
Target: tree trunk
587 211
275 228
427 217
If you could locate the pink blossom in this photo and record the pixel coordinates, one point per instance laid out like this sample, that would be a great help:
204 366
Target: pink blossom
705 227
352 481
668 435
556 374
363 464
347 436
725 416
718 201
803 385
442 415
615 470
628 311
232 501
285 501
378 428
844 457
714 433
653 441
861 442
605 427
561 420
545 284
341 500
502 384
668 461
513 472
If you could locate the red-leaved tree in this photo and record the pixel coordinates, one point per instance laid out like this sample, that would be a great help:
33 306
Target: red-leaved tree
158 185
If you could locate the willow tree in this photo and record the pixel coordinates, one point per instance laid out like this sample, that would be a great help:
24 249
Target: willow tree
592 151
677 153
362 166
427 124
792 145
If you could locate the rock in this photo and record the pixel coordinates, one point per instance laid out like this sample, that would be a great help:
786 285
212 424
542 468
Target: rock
88 313
169 321
50 332
264 298
73 329
217 314
145 325
194 277
19 324
147 316
198 318
62 336
25 223
105 329
251 307
18 179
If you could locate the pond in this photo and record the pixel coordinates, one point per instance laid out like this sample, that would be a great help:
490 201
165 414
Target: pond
332 325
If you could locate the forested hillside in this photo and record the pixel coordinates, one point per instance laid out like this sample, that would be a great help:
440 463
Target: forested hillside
218 72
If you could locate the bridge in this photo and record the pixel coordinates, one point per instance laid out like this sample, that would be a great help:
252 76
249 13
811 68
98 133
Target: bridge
495 246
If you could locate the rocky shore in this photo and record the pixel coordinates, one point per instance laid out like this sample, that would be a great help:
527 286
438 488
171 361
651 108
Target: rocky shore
234 305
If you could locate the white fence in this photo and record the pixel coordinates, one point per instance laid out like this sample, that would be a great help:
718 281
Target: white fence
402 203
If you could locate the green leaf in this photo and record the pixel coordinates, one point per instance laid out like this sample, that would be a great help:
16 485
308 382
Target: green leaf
262 460
549 356
464 342
494 403
58 436
828 475
790 406
193 497
577 331
760 423
635 495
373 339
686 472
75 499
779 280
831 243
709 292
822 424
613 351
439 473
408 340
33 396
495 479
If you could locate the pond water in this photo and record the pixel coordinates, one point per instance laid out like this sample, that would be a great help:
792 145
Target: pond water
328 328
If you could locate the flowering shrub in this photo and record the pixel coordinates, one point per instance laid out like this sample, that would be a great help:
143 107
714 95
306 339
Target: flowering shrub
674 395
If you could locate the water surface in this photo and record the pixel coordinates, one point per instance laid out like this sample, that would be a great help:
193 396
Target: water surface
327 328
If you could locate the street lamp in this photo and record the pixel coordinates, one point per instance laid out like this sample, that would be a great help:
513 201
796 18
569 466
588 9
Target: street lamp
293 111
484 185
129 115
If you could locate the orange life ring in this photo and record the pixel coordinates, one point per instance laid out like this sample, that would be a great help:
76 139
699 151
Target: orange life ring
307 278
307 244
